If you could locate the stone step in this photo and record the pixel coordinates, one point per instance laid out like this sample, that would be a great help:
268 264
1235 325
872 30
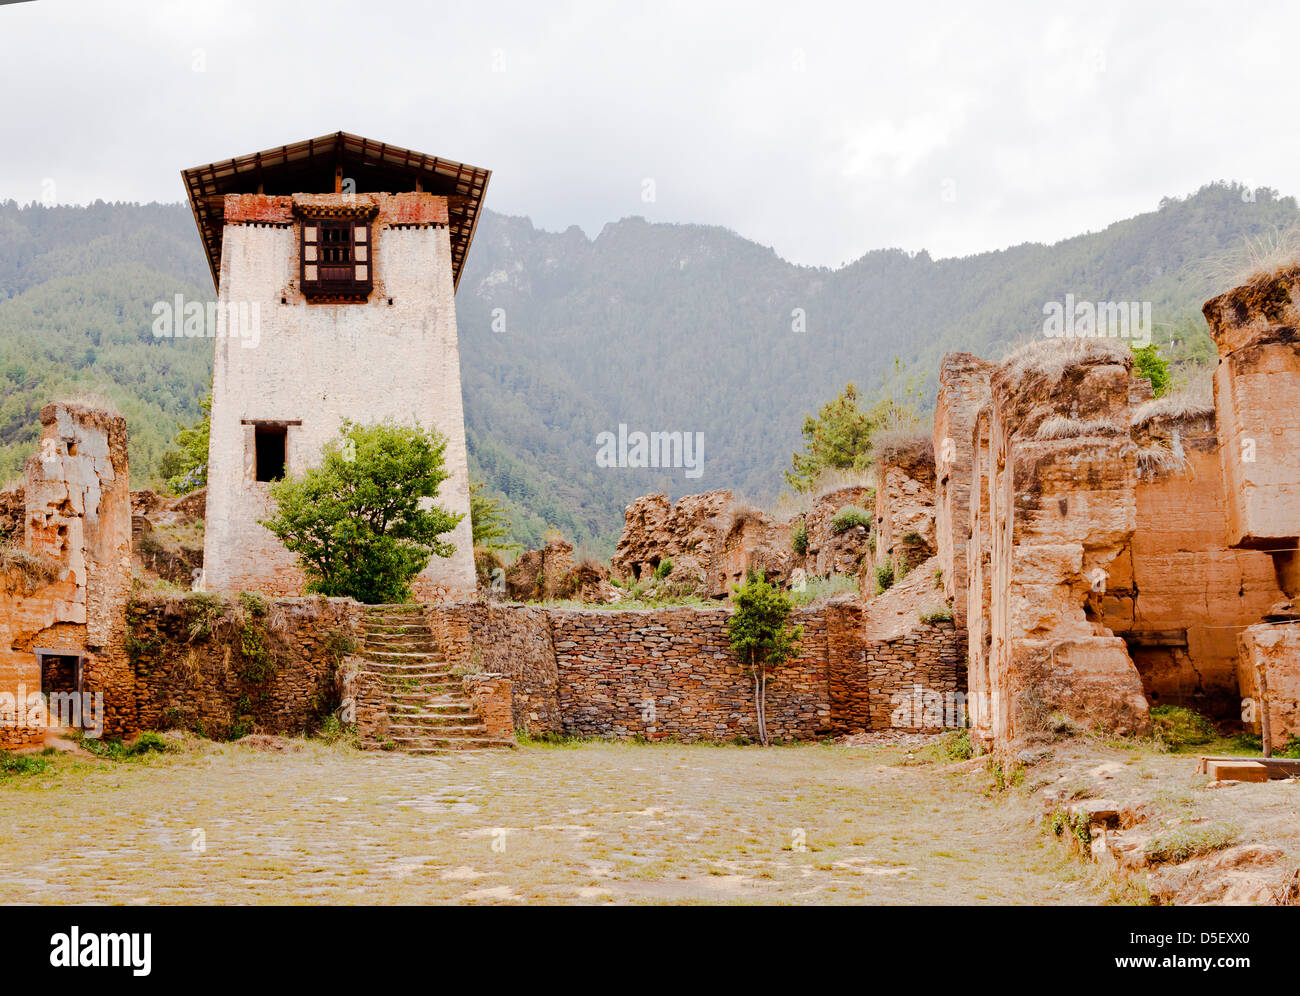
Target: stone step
408 728
420 744
438 669
432 706
430 703
401 656
436 709
404 622
426 687
400 640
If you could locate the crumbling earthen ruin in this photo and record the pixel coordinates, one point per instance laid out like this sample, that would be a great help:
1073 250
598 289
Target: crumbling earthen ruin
64 579
712 541
1109 551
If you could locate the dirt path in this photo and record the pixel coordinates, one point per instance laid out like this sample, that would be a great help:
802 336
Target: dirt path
588 824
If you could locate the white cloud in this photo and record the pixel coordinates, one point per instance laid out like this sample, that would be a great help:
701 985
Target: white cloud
824 130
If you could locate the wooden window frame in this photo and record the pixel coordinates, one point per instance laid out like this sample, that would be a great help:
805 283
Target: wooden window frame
359 279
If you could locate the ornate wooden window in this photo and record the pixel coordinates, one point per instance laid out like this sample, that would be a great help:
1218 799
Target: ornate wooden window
336 259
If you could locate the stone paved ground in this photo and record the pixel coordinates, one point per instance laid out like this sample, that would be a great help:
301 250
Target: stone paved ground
594 823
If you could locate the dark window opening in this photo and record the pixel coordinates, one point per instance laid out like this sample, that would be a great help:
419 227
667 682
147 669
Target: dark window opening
60 673
270 445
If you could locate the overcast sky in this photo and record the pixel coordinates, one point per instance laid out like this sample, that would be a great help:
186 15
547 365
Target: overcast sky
822 130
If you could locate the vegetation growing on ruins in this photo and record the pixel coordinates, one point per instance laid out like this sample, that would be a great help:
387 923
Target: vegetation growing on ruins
1147 362
34 569
762 637
356 521
849 517
816 589
844 436
939 614
1176 727
799 538
884 576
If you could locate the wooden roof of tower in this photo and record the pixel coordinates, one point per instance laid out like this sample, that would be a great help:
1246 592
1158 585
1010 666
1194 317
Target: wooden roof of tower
311 166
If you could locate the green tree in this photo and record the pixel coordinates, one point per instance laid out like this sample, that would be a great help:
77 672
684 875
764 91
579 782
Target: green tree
186 466
839 437
1147 362
361 523
488 520
761 636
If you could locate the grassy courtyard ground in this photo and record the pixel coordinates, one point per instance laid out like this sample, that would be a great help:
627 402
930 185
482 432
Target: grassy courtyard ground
590 823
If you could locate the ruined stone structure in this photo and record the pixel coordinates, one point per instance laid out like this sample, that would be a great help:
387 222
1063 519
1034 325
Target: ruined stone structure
1255 387
712 541
550 573
213 666
963 392
64 580
336 262
905 530
1122 551
831 552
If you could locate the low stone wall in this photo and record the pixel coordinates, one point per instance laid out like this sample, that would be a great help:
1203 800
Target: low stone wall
513 641
671 673
912 681
217 666
611 673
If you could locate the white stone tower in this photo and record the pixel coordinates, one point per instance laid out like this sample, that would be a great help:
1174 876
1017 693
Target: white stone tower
336 262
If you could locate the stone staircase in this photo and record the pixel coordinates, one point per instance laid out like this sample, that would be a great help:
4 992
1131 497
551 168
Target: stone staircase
428 710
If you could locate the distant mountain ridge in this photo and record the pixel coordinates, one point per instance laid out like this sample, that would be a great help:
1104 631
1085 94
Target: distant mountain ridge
656 327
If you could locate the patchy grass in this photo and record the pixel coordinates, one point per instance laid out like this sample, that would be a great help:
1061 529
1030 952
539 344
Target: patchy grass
938 614
1186 842
554 822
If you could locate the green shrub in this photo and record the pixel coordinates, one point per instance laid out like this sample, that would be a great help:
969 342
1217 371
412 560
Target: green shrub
955 745
848 517
22 764
885 576
664 568
254 603
148 742
1147 362
799 538
1177 727
361 520
1291 748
